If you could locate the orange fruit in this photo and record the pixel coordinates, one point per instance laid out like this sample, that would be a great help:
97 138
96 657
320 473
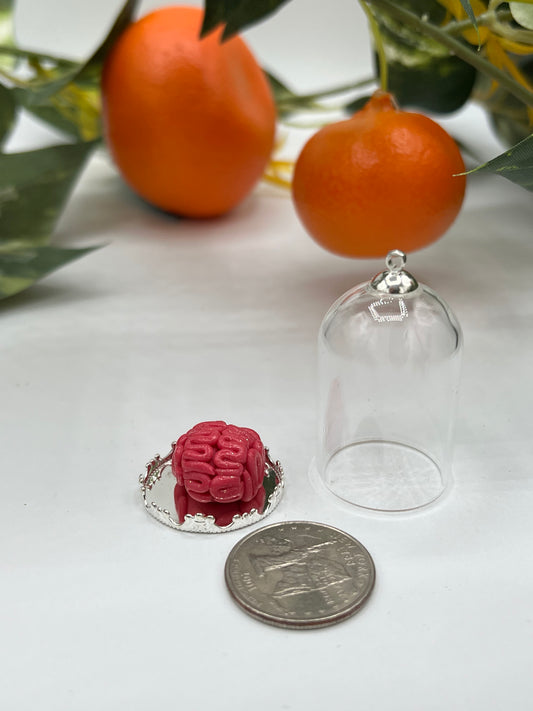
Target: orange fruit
383 179
189 122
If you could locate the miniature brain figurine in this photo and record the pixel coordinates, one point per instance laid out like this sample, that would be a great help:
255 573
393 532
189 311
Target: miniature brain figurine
216 463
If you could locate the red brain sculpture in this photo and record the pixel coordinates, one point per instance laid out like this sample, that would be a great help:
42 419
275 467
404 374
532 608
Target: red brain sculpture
217 463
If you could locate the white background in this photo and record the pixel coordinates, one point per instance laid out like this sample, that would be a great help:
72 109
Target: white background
108 360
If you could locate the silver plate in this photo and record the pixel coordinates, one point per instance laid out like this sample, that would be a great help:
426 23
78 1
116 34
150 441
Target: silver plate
300 574
157 488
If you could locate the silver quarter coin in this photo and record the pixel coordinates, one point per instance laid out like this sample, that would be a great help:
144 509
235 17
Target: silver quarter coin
300 574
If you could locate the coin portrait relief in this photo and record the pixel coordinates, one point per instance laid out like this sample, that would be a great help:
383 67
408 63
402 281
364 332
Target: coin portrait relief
300 574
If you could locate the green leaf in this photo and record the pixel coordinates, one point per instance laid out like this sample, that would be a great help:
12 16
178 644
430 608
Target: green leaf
8 112
471 16
73 110
515 164
455 46
215 12
522 13
439 85
280 91
34 187
20 267
92 69
43 86
75 125
7 30
287 102
421 72
33 58
33 69
236 14
6 21
44 80
66 94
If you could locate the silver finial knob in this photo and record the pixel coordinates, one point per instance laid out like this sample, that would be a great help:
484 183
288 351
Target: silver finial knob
394 280
395 260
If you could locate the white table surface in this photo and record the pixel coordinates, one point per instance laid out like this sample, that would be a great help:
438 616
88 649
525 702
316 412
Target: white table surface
106 361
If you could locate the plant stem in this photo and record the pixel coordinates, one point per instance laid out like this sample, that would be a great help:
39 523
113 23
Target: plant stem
11 79
379 46
456 47
486 19
512 33
303 126
343 89
39 56
495 21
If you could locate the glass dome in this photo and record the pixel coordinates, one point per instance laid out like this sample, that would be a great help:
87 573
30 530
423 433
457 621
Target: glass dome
389 362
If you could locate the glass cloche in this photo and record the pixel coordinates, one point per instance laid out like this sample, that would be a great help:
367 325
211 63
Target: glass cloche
389 362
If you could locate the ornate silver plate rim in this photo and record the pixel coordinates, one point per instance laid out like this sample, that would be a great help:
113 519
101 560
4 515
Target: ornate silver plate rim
159 479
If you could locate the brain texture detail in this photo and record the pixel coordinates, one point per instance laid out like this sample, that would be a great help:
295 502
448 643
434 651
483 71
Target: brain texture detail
219 463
